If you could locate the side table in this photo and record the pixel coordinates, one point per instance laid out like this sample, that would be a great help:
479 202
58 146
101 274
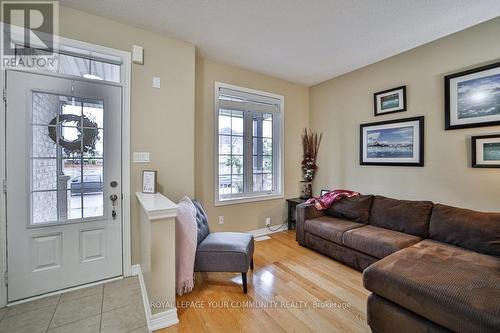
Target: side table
292 204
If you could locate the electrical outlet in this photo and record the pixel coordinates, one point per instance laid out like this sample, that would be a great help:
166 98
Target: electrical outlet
156 82
268 221
221 219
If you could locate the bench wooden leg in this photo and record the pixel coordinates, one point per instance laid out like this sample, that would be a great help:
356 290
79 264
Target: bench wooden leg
244 278
251 264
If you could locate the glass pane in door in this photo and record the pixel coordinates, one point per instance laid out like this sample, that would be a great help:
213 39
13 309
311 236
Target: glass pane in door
67 158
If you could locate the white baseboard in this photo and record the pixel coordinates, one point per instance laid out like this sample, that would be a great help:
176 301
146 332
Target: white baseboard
265 231
135 270
158 320
163 319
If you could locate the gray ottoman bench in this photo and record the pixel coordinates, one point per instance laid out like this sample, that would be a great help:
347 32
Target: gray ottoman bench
222 251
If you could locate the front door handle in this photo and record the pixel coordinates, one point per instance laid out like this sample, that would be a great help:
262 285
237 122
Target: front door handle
113 198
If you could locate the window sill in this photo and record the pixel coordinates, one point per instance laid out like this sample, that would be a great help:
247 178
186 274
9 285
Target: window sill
237 201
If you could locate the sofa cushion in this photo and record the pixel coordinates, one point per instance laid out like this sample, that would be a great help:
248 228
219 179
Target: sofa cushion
472 230
356 209
353 258
377 242
305 212
388 317
453 287
330 228
410 217
225 252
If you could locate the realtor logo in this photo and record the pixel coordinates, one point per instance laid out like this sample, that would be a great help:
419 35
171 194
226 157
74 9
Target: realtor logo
29 34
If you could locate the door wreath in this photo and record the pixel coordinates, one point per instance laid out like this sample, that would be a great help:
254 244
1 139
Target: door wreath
86 128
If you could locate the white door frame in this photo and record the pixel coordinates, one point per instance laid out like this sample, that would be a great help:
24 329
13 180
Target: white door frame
125 84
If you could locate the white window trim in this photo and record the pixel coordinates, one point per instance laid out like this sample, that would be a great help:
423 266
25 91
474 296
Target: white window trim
281 153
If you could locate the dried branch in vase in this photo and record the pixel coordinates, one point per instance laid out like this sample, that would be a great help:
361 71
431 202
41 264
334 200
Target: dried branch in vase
310 145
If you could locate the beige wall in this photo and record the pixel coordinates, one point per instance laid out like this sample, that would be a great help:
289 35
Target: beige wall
179 134
162 119
248 216
340 105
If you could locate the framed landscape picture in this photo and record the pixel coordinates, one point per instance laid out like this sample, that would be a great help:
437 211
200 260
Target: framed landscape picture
395 142
472 98
486 151
390 101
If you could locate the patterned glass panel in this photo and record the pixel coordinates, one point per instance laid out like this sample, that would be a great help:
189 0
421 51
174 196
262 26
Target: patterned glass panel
67 158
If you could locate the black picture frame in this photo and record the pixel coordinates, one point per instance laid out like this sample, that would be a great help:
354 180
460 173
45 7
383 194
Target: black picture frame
447 99
324 192
474 150
376 95
149 188
421 142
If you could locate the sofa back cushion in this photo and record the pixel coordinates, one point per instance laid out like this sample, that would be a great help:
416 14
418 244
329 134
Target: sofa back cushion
410 217
356 209
477 231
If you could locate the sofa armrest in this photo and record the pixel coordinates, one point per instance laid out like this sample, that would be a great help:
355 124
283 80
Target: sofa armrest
305 212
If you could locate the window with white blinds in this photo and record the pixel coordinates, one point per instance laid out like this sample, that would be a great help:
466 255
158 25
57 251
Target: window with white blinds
248 145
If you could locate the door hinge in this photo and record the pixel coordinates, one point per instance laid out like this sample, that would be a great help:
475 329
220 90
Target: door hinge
4 95
4 186
6 278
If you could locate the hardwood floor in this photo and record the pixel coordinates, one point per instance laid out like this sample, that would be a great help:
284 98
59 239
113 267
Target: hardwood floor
297 279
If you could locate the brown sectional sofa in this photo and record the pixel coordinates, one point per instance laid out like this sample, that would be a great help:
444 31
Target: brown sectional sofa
430 267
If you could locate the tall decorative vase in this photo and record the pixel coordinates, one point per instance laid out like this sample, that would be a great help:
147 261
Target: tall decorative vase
305 189
310 147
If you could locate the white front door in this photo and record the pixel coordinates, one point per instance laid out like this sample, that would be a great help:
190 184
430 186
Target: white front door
63 152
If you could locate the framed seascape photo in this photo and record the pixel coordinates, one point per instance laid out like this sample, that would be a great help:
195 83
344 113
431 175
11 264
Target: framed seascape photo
395 142
148 181
390 101
486 151
472 98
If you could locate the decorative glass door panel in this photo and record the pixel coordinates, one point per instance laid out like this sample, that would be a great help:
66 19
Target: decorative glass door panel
67 158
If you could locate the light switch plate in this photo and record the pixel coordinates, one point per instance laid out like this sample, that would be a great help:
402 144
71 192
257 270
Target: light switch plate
141 157
156 82
138 55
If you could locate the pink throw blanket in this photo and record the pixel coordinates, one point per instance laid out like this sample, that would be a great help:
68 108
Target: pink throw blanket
186 233
326 200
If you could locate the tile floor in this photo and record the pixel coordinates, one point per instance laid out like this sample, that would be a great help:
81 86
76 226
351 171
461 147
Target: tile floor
108 308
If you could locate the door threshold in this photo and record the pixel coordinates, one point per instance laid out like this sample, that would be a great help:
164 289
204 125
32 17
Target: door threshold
63 291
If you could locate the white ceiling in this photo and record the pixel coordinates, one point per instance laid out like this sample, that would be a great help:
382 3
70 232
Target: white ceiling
303 41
